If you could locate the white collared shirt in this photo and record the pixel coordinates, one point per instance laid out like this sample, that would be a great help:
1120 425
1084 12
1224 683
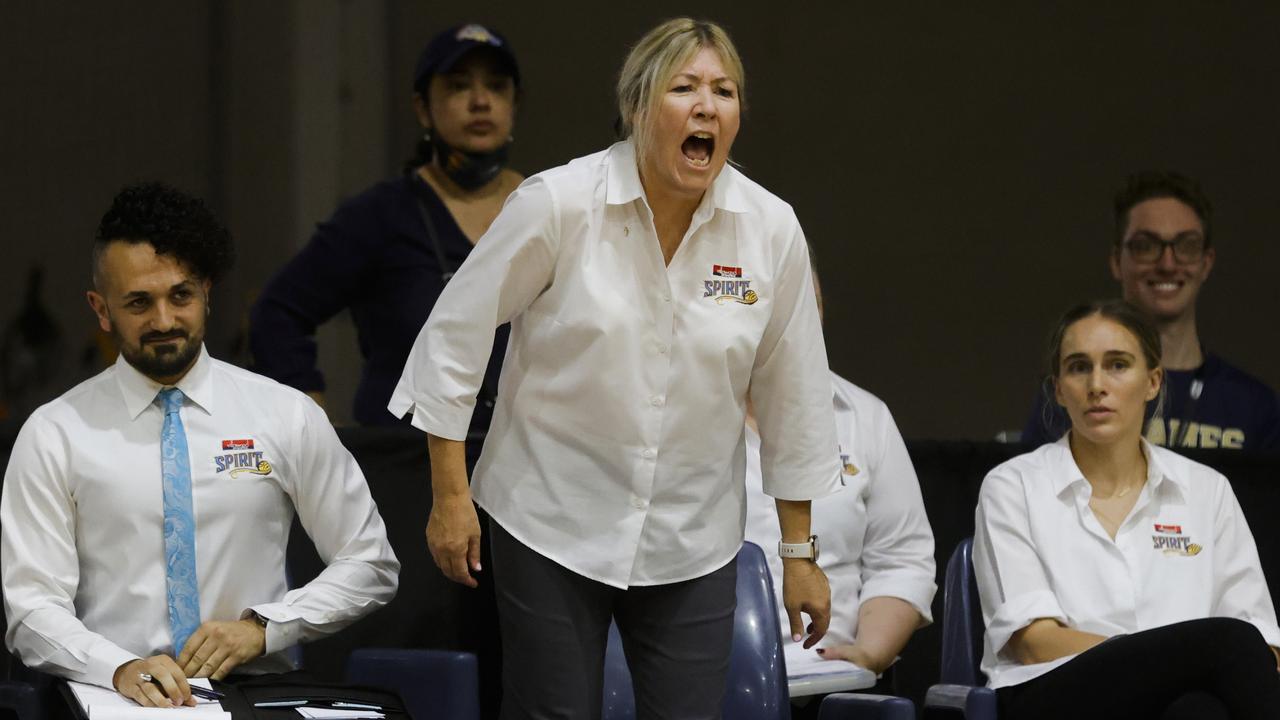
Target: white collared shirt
873 535
82 516
1184 552
616 448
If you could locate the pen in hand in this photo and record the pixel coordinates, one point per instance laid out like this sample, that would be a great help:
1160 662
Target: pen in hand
196 690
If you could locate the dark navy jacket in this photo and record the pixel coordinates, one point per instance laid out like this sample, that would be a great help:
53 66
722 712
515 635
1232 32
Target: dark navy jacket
373 257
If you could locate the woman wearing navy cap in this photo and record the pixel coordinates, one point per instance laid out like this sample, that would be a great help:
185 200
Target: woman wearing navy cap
387 253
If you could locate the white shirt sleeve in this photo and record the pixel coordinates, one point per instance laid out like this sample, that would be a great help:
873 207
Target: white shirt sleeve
508 268
334 505
41 571
791 387
1239 585
1011 579
897 553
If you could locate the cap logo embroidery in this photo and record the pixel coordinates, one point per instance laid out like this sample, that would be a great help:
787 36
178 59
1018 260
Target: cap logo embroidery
477 33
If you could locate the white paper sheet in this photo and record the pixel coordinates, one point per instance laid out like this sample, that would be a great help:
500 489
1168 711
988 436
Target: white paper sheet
338 713
99 703
809 674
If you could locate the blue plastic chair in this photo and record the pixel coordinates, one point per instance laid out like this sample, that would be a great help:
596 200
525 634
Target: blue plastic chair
757 679
436 684
20 699
963 687
861 706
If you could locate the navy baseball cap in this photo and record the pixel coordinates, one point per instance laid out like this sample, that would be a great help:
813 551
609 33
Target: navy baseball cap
448 47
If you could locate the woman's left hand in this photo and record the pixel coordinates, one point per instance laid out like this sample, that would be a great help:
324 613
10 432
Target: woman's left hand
805 590
854 654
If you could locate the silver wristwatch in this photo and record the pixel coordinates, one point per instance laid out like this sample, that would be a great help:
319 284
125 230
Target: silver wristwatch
806 550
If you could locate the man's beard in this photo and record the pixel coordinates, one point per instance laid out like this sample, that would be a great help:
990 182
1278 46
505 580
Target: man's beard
162 361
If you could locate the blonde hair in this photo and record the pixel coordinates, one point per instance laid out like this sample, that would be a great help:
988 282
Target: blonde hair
656 59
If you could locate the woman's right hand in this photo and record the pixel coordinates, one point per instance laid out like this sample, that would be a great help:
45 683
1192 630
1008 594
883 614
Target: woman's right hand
453 529
453 537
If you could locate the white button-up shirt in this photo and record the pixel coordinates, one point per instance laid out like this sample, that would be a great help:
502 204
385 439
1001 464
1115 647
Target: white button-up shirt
82 520
1184 552
874 537
616 447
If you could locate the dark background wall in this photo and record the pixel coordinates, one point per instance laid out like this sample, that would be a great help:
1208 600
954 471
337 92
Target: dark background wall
951 163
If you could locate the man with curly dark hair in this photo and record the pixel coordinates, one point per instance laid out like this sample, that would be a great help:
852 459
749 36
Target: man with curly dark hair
146 512
147 224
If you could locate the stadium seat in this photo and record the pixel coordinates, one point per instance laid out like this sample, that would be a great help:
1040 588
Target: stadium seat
436 684
861 706
963 688
757 680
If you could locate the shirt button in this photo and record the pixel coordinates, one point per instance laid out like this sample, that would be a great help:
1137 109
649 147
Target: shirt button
648 452
657 401
666 297
639 503
662 348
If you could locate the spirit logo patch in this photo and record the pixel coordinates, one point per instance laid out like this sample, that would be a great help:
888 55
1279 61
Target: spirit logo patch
727 285
846 465
1170 540
245 460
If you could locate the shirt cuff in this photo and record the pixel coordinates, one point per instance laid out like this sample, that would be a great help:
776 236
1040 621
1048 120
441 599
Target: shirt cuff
451 423
817 483
1270 632
910 588
1019 612
284 627
103 664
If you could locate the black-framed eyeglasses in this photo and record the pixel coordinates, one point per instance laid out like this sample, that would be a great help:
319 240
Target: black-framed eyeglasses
1145 248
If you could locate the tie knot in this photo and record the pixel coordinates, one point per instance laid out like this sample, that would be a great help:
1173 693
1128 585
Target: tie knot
171 399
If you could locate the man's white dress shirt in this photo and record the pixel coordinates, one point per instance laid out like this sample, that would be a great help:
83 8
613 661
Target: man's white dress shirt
874 537
616 448
1184 552
82 517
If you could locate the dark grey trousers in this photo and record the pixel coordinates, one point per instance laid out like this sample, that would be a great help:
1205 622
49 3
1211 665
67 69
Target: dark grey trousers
555 626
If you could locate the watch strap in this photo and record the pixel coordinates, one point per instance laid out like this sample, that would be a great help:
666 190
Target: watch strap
807 550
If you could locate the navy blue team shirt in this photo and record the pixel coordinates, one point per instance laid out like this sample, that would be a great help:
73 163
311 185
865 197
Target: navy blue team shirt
372 256
1235 411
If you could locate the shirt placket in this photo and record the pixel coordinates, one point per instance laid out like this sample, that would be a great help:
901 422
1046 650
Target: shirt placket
656 363
1122 603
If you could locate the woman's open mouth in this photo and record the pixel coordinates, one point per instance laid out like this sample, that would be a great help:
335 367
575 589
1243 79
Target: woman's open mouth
698 147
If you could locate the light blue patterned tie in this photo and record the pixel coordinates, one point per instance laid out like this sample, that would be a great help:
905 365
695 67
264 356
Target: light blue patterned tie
179 523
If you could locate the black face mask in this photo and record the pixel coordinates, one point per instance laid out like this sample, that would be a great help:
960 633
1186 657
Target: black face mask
468 170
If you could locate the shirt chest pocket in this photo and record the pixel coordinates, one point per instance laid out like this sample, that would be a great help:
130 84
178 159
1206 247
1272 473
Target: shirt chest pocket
237 476
1179 565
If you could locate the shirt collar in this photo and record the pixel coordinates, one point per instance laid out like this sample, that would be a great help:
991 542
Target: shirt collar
623 184
139 391
1068 473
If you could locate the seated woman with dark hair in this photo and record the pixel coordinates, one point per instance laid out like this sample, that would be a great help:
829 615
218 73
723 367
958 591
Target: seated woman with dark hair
1119 579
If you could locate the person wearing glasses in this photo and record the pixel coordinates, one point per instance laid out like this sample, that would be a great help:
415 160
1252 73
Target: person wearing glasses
1162 255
